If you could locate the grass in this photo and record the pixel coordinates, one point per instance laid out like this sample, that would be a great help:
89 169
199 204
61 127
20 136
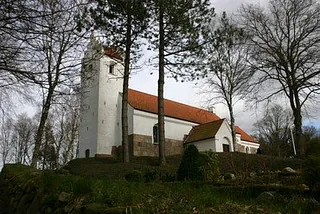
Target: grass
101 187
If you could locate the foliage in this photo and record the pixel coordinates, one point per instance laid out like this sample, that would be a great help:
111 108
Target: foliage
210 166
189 168
312 164
150 175
134 176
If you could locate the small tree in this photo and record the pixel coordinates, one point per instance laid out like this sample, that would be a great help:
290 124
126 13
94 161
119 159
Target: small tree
189 167
226 74
273 131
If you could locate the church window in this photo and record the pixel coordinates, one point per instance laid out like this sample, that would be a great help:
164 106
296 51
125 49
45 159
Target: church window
87 153
226 148
155 133
87 128
102 121
104 103
111 69
247 150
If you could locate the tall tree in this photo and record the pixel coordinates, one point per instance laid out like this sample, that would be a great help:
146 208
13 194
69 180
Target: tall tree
273 131
122 23
227 73
176 35
285 40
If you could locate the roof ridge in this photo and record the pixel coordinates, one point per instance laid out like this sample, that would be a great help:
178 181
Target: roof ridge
173 101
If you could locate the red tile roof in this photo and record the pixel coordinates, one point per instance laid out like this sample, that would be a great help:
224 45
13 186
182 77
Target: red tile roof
204 131
111 52
149 103
244 135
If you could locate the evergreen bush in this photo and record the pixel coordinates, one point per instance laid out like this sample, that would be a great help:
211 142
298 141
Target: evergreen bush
312 164
189 168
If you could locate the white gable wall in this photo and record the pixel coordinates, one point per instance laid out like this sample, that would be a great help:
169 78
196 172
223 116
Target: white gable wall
143 123
223 136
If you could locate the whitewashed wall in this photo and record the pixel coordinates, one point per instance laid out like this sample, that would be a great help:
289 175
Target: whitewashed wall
205 145
100 126
143 123
223 136
109 123
249 145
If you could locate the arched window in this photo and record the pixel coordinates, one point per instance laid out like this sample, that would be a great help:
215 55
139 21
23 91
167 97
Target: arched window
87 152
155 133
247 150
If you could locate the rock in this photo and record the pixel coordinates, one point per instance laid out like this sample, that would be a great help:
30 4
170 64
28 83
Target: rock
253 174
266 196
64 197
229 176
289 170
303 187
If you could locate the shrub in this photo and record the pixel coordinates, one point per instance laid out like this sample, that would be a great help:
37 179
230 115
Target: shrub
189 168
311 171
209 165
150 175
82 186
134 176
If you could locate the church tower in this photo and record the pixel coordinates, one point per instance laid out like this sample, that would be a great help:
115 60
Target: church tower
100 114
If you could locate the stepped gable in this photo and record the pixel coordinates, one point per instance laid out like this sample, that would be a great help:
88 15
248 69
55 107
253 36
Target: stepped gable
149 103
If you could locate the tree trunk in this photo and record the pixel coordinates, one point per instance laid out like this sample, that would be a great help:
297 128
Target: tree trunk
298 131
162 158
124 111
40 130
233 131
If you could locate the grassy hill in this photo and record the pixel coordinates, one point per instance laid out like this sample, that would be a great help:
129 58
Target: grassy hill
100 186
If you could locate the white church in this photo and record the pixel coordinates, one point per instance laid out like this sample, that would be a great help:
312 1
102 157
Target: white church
100 123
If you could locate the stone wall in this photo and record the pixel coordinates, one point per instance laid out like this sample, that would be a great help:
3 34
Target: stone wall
141 145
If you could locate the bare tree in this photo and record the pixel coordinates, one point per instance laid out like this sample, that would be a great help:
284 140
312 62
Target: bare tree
52 49
227 73
273 131
5 139
285 40
24 129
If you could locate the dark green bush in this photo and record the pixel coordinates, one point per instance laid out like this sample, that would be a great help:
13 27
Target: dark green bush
209 166
82 186
168 177
189 168
150 175
311 171
134 176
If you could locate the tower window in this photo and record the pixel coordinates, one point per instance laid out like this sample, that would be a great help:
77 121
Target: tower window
111 69
155 134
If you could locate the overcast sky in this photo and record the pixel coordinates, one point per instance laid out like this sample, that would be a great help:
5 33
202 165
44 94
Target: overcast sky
188 93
